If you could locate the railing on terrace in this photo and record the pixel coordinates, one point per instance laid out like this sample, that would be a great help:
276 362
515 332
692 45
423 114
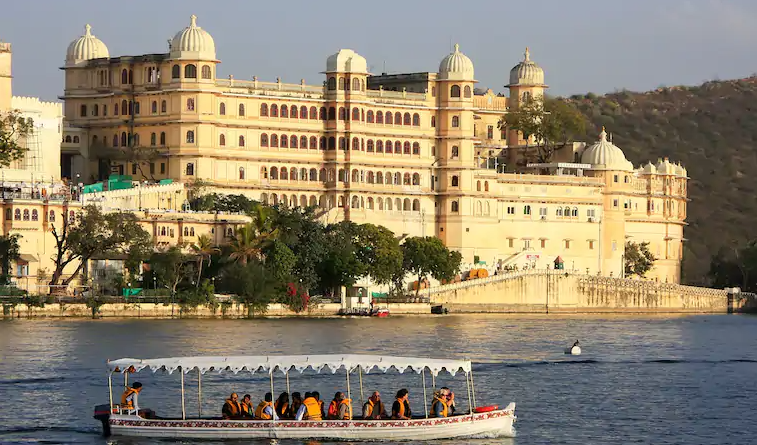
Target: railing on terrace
255 86
551 179
36 196
500 276
396 95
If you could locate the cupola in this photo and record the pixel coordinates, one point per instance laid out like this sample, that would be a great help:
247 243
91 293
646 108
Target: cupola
86 47
346 61
604 155
456 66
527 72
193 43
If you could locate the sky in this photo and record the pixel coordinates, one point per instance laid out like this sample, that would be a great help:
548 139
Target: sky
583 45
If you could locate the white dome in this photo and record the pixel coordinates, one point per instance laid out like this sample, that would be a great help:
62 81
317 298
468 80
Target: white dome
86 47
346 61
456 66
604 155
649 169
193 43
527 72
665 167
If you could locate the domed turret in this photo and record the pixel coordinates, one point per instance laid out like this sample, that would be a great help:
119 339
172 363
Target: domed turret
346 61
527 72
456 66
604 155
86 47
665 167
193 43
649 169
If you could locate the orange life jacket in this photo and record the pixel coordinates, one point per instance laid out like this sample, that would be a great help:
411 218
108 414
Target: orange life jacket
246 408
236 408
260 413
313 409
401 412
445 407
333 410
348 414
128 404
281 408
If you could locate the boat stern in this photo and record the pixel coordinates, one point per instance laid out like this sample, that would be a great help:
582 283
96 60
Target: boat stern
102 413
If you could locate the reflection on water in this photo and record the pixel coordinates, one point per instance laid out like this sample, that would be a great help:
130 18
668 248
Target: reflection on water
640 379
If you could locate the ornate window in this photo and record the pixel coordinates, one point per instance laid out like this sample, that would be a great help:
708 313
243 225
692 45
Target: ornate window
369 117
274 141
163 106
379 117
162 138
175 72
206 72
153 139
274 110
407 120
284 111
303 142
416 120
314 113
331 83
154 107
264 110
416 148
455 206
284 141
389 118
455 121
356 84
313 142
355 113
190 169
190 137
190 104
241 173
454 91
293 141
293 112
190 72
468 91
369 147
406 148
455 181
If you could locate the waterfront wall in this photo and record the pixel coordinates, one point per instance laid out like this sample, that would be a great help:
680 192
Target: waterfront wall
551 291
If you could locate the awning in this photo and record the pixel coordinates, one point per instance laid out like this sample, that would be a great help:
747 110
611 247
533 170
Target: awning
284 363
28 257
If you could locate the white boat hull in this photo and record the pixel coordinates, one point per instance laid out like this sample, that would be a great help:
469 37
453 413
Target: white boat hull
491 424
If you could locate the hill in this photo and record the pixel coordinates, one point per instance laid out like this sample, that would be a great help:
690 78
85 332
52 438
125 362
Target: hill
712 130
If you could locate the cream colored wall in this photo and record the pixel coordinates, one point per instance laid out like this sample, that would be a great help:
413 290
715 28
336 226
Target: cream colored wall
43 157
6 84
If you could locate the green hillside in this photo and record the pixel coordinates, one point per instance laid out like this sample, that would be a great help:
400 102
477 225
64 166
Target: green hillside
712 130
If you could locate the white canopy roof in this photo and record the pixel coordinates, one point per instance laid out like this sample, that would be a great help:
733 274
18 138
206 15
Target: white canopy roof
286 362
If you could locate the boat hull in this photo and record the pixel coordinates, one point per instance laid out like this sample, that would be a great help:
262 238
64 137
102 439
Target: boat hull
497 423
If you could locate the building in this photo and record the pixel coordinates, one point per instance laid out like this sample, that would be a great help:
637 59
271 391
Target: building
419 153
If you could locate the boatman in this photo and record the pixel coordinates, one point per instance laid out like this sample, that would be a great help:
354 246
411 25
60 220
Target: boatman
130 398
265 410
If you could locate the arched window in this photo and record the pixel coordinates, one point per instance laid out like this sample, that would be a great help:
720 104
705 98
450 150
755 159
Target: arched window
416 179
332 143
123 139
115 109
574 212
356 84
222 140
388 148
163 106
416 205
379 117
467 91
416 148
284 111
190 104
263 175
186 231
355 113
284 141
206 73
274 173
342 143
397 178
293 112
526 96
322 143
398 118
486 186
67 139
416 120
96 111
293 141
341 83
284 174
190 72
274 110
369 117
406 205
379 178
479 208
455 181
342 114
527 210
370 178
314 113
35 215
115 140
135 139
406 179
222 109
369 147
406 119
153 139
454 91
154 107
303 142
322 175
397 147
176 72
379 146
433 121
274 141
455 121
406 148
125 109
136 107
264 110
190 137
313 174
304 112
162 138
51 216
313 142
455 152
190 169
355 144
124 77
389 118
478 186
241 173
331 83
355 176
241 141
322 114
455 207
241 109
369 204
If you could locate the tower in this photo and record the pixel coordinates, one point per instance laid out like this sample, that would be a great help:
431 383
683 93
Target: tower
6 91
526 82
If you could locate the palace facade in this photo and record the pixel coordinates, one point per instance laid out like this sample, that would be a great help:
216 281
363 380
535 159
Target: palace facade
420 153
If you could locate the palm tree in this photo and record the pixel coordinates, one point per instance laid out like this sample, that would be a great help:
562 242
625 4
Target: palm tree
204 248
250 240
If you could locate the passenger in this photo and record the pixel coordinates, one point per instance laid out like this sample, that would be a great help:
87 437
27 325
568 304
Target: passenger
282 405
247 410
439 407
130 398
401 406
374 408
450 400
265 410
232 409
340 408
310 409
295 406
317 397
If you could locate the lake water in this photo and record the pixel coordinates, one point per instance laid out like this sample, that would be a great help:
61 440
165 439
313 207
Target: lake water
654 380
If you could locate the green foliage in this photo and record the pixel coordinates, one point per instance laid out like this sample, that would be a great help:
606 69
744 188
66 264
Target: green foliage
638 259
380 252
424 256
173 267
201 295
341 265
251 283
215 202
735 267
9 252
281 262
13 128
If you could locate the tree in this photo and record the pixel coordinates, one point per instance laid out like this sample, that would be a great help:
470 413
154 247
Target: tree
171 267
306 238
253 238
90 233
280 262
380 251
203 249
341 265
638 259
10 251
424 256
215 202
251 283
553 124
13 128
735 266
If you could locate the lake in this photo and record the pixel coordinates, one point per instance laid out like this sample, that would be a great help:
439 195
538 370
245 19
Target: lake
641 379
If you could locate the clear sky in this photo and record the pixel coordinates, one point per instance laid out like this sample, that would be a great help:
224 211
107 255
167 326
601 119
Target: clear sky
583 45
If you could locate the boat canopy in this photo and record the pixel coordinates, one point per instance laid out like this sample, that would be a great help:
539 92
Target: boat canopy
285 363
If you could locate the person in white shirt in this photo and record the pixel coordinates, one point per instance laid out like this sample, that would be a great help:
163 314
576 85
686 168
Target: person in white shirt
130 398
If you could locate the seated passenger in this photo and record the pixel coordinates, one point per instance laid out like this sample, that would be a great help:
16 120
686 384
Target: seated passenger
232 409
310 409
317 397
130 398
265 409
439 407
247 410
401 406
294 408
340 408
282 405
450 400
374 408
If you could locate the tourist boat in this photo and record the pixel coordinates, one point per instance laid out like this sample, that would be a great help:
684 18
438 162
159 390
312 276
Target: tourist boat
488 422
381 313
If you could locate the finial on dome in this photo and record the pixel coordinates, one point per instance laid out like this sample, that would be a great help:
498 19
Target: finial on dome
87 30
457 47
603 134
193 19
527 55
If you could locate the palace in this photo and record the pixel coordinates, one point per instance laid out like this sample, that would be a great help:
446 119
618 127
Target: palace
419 153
